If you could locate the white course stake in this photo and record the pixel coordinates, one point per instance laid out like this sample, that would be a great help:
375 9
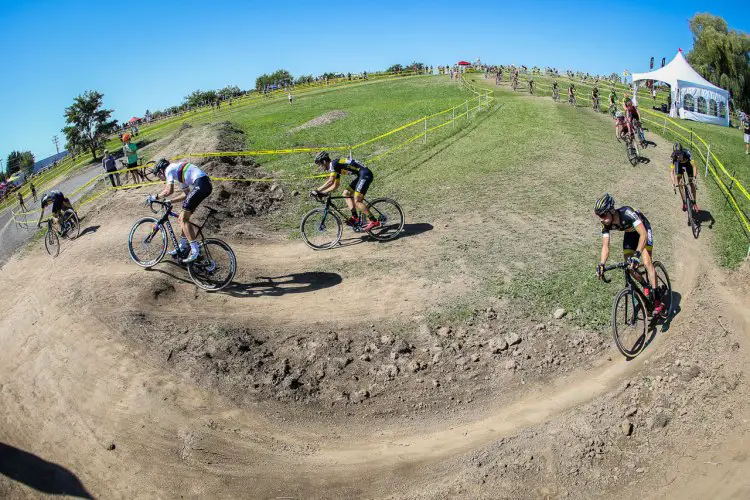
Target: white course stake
708 157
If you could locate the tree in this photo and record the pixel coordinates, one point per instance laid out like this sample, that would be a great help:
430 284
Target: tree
721 56
396 68
278 77
88 123
229 91
20 161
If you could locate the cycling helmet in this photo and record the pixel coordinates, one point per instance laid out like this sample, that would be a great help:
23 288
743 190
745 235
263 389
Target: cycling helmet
48 198
677 148
619 114
160 166
604 204
321 157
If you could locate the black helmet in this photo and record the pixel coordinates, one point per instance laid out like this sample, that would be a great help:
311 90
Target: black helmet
604 204
677 147
160 166
321 157
48 198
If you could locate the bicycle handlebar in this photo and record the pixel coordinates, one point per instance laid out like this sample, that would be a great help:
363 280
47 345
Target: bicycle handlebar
166 204
619 265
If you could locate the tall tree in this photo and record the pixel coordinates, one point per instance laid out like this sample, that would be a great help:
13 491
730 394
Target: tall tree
88 123
278 77
20 161
721 56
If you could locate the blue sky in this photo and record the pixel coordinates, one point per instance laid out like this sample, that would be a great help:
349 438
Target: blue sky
53 51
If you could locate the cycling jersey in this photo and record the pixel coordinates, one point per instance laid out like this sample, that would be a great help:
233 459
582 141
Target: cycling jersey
58 201
630 219
353 167
683 165
184 173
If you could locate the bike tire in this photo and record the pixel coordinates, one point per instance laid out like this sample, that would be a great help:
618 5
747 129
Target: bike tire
321 229
391 218
634 322
52 243
209 272
692 222
71 225
664 287
143 234
632 153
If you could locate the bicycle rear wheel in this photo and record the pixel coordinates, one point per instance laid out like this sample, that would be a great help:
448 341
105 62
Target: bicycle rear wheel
147 242
690 212
663 288
632 152
71 226
391 218
321 228
52 242
629 322
215 267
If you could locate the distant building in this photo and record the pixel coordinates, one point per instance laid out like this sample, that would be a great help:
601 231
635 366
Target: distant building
43 164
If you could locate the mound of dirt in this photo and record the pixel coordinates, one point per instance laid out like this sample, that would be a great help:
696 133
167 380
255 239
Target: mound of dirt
323 119
234 200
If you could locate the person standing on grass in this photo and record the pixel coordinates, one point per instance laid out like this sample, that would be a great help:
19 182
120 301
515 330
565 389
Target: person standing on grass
33 190
131 153
108 162
290 98
746 129
20 202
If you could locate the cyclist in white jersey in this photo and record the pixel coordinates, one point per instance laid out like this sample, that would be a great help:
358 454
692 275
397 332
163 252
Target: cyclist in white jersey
196 187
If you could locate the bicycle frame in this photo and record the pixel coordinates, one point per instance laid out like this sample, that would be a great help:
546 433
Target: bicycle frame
164 221
630 281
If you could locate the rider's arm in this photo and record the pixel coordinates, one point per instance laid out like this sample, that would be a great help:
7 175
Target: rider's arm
672 175
326 185
695 169
168 189
41 214
605 248
332 185
642 237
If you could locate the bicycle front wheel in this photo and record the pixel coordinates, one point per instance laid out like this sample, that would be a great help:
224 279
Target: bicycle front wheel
663 288
321 228
215 267
629 322
391 217
71 225
147 242
691 212
52 243
632 153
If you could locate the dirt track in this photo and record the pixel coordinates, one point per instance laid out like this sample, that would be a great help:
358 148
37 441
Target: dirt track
78 377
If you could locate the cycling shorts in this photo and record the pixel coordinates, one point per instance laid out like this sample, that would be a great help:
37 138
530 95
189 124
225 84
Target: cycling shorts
681 168
362 183
630 241
201 190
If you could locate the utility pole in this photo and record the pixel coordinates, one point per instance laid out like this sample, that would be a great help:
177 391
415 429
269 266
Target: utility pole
55 140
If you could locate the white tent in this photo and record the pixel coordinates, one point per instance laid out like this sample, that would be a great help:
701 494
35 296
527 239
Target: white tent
693 97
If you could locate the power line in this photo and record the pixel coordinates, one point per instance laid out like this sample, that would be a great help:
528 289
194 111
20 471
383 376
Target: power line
55 140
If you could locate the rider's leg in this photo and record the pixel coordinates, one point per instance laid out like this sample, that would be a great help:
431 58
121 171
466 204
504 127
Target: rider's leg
190 231
648 263
349 194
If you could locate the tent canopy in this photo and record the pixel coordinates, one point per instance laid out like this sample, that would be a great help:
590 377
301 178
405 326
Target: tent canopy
464 63
688 89
134 119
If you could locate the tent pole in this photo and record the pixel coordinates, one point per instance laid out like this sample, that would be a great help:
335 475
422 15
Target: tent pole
708 157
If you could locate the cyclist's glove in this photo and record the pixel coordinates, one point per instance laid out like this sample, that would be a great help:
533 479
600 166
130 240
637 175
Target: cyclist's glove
600 271
635 260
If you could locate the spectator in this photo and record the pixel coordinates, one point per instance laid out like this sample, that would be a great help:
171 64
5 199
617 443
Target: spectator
746 126
20 202
108 162
290 98
131 153
33 190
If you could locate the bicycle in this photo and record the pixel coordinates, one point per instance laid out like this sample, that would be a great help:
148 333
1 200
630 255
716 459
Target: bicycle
322 227
595 104
514 82
531 87
638 130
687 195
555 95
216 264
70 228
631 305
572 100
612 109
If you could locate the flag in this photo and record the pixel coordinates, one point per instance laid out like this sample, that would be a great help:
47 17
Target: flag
651 65
663 61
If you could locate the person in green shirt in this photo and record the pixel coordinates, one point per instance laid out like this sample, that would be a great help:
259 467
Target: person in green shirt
130 151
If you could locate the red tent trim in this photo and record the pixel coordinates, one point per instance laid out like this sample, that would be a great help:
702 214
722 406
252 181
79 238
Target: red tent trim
464 63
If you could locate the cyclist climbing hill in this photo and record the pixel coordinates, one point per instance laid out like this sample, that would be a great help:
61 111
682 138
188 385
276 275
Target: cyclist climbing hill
188 176
637 243
682 161
357 188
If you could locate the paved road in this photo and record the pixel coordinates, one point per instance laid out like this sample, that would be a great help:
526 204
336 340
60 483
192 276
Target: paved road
12 237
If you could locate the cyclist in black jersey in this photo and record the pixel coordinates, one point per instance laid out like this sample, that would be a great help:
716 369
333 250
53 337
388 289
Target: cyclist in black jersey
637 243
59 203
357 188
682 162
